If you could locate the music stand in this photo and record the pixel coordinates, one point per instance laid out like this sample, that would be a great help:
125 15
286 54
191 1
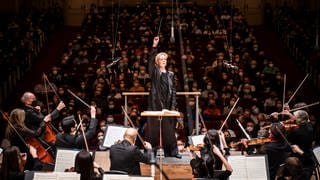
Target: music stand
160 115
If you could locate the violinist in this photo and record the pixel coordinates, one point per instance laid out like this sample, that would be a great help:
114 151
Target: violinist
210 158
303 137
69 138
17 120
277 150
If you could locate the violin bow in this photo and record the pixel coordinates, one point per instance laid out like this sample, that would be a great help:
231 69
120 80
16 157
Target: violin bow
132 125
51 86
284 91
243 130
86 104
159 27
297 88
234 105
306 106
283 136
45 80
83 133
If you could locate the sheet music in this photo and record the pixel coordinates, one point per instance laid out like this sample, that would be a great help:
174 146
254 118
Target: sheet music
256 166
198 139
46 176
68 176
56 176
113 134
164 112
115 177
65 159
248 167
316 152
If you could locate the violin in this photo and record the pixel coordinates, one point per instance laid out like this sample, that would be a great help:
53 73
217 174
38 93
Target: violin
197 147
254 141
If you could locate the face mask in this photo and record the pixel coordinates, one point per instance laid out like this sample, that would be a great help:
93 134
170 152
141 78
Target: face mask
249 129
191 103
103 128
246 90
111 106
255 111
209 87
109 120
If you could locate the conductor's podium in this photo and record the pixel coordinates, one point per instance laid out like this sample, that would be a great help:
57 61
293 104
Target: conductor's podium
172 167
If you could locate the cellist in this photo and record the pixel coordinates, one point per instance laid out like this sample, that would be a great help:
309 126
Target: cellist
34 117
17 132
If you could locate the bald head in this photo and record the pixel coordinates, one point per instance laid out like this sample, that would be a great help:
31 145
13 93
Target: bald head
27 98
131 135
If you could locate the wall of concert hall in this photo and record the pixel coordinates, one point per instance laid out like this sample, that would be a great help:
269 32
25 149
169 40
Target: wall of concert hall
75 10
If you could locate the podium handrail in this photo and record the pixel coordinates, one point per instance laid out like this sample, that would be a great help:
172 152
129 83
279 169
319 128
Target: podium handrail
196 94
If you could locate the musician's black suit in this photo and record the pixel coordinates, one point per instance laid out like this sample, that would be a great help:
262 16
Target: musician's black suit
126 157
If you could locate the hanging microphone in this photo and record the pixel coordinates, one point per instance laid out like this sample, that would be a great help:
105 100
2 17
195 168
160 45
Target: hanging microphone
228 65
115 60
172 39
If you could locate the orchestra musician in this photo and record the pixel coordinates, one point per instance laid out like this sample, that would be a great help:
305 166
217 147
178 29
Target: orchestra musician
17 125
33 111
210 158
14 161
69 138
303 137
162 96
277 150
126 156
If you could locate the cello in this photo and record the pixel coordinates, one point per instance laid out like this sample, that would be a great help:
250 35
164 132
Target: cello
43 155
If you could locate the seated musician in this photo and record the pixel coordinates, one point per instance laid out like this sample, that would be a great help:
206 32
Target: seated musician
84 165
13 163
126 156
19 130
210 158
69 139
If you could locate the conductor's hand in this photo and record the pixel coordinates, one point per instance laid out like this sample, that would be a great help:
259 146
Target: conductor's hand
155 41
147 145
61 105
93 111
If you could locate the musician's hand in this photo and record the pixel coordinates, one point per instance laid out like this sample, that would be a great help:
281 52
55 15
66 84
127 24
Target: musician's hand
33 151
296 149
61 105
155 41
286 107
37 108
244 142
47 118
147 145
93 112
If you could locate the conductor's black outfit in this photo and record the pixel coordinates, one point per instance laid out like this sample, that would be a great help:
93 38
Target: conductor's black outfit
162 96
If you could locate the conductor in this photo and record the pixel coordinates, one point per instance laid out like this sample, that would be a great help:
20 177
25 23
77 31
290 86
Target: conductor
162 96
